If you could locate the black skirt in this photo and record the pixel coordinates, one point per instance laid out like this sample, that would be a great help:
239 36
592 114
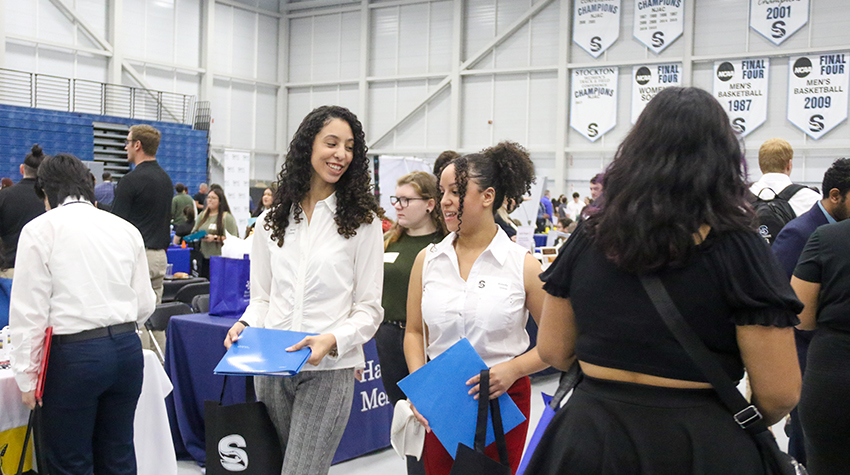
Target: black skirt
610 427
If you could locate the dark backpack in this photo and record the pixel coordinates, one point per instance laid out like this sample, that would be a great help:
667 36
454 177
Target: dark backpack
773 214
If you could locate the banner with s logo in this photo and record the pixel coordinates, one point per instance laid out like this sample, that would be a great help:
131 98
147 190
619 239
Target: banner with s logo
658 22
596 24
740 86
817 92
776 20
648 80
593 106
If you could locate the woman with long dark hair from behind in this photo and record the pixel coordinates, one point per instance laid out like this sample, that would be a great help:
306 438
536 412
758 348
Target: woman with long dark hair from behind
316 267
478 284
675 207
418 223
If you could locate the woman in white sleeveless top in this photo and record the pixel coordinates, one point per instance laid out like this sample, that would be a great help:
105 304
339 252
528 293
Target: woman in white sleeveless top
479 285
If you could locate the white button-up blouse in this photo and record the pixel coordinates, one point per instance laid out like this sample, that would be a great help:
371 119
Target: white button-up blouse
488 308
319 282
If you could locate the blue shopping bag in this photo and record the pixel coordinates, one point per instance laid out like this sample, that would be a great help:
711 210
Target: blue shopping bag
230 288
551 405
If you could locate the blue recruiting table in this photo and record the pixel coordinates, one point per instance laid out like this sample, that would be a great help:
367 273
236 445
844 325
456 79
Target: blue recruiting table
195 346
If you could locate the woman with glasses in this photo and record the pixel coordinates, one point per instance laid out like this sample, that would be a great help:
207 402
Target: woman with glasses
418 224
479 285
216 220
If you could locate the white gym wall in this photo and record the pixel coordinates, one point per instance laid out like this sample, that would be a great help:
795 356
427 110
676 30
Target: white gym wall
423 76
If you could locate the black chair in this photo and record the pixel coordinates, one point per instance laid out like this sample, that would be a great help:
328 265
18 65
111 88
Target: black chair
170 287
201 303
188 292
158 321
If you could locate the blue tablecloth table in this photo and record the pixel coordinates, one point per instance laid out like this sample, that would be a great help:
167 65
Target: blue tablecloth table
195 346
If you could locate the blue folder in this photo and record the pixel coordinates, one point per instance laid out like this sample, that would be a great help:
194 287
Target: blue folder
439 392
195 236
262 351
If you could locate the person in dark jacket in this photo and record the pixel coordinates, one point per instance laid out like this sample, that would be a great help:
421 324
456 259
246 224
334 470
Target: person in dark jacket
18 206
789 244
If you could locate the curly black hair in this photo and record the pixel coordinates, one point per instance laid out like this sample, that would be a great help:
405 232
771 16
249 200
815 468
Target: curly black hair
356 204
680 167
505 167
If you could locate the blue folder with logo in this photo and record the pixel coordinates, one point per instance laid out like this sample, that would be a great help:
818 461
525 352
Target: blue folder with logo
262 351
439 392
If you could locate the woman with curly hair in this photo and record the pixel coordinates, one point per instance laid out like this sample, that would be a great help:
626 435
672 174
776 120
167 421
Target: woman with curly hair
317 267
676 208
479 285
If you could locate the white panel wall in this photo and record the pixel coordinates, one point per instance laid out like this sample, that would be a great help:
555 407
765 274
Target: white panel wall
388 75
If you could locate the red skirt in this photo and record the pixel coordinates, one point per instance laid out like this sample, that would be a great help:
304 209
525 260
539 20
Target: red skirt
438 461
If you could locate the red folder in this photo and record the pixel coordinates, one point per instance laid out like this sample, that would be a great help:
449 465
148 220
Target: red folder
45 357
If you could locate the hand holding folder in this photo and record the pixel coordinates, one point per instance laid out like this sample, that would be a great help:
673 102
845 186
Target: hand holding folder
439 392
262 351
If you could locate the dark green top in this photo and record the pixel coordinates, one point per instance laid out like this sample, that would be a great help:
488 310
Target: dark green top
398 260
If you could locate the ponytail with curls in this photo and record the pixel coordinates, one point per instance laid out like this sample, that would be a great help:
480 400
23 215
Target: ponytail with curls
506 167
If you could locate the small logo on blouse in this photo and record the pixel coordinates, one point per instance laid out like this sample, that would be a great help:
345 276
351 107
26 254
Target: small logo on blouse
433 248
481 284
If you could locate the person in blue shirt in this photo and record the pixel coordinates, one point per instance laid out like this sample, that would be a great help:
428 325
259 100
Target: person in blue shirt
104 193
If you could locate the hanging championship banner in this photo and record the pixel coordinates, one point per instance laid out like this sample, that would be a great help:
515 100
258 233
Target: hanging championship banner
596 24
740 86
647 81
817 92
593 109
658 22
777 20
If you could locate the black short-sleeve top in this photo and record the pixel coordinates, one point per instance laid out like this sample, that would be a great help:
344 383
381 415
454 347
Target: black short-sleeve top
826 260
732 279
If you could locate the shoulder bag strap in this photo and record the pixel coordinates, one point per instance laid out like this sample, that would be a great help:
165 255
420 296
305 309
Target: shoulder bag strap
789 191
481 424
485 403
746 414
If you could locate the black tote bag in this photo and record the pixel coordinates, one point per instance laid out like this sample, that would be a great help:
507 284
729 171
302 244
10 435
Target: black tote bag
34 429
473 461
241 437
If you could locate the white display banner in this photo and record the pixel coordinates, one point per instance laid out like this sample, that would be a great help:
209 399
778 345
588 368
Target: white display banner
593 109
237 171
776 20
596 24
741 88
817 92
649 80
658 22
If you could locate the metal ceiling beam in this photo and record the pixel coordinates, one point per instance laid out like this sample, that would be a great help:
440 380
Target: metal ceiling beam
474 59
74 17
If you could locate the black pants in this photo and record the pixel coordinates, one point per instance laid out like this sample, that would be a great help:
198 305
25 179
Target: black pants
823 409
90 395
390 343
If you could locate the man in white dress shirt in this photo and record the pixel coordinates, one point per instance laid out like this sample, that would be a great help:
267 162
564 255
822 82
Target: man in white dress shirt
83 272
776 161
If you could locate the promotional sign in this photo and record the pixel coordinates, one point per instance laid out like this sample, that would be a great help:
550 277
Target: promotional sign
817 92
596 24
649 80
237 174
740 86
658 22
777 20
593 108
